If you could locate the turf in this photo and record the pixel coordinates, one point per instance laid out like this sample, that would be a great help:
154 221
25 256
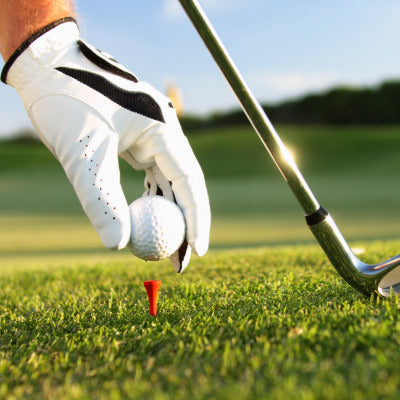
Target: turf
262 316
267 323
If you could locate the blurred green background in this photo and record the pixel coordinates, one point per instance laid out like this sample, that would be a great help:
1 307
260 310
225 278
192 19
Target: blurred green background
351 169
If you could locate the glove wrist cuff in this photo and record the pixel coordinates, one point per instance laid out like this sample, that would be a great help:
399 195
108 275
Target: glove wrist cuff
35 50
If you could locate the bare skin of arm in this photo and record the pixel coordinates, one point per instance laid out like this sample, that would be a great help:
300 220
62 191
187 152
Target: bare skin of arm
19 19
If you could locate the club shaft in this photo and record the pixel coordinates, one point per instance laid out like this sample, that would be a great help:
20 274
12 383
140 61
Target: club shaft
384 277
251 107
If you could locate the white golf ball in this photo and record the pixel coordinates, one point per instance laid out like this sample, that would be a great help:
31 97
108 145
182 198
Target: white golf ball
158 228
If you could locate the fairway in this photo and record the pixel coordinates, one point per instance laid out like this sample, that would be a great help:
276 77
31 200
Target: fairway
262 316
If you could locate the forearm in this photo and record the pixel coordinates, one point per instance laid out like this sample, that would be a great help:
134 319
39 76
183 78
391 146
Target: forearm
19 19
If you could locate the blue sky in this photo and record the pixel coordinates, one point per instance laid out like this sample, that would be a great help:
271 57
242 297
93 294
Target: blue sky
283 48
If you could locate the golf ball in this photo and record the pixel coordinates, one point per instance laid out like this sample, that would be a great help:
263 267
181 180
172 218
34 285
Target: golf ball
157 228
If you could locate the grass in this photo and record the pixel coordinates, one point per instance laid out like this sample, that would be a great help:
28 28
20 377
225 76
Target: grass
266 323
262 316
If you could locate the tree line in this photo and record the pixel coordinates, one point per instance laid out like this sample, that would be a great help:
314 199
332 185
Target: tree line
341 105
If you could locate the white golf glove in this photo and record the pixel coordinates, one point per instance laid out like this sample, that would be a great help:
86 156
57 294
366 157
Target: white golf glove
88 109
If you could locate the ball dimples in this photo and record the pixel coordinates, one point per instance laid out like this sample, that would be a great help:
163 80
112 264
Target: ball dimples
157 228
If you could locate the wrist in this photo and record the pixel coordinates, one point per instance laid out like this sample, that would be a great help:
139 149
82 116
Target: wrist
36 50
20 19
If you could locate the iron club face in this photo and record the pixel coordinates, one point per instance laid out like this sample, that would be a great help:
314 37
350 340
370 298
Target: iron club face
383 278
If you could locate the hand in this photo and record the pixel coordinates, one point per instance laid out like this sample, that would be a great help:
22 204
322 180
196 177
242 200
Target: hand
88 109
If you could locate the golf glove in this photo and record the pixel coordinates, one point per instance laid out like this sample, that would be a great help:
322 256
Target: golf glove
88 109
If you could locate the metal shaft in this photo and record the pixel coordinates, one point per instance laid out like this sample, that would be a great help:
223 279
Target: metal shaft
251 107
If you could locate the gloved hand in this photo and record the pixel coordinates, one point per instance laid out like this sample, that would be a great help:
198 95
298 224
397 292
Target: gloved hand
88 109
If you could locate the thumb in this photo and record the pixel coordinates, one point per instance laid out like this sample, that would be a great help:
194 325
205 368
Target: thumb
87 148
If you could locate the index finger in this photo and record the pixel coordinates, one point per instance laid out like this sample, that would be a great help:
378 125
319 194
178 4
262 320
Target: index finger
179 165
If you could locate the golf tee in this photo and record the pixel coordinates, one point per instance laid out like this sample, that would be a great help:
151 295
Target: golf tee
152 293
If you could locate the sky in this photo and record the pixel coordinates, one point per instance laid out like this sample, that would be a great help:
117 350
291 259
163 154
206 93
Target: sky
283 48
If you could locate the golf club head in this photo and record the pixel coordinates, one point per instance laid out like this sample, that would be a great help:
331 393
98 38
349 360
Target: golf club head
383 278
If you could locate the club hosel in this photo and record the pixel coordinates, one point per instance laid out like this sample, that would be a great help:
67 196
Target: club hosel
338 251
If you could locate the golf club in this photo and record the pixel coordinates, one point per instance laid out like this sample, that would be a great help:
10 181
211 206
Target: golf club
383 278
